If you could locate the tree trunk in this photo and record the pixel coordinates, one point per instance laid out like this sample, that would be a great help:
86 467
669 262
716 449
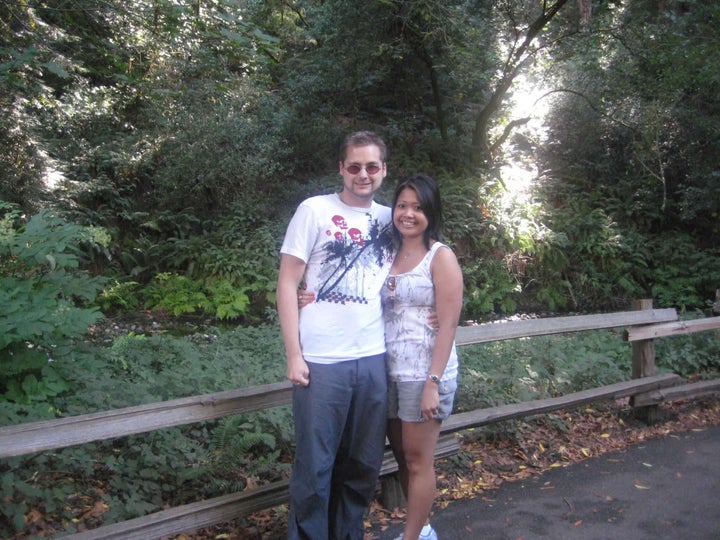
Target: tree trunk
480 142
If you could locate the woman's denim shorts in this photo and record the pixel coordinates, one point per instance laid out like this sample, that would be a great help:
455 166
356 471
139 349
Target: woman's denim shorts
404 399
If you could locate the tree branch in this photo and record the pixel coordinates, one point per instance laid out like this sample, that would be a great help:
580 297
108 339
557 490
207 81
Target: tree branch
482 147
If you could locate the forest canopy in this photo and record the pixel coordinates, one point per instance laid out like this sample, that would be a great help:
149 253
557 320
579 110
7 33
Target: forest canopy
576 143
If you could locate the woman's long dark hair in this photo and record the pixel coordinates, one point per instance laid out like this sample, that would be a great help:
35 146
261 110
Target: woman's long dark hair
429 195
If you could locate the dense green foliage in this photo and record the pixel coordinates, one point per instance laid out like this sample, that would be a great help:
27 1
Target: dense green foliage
44 297
152 152
549 366
131 476
574 141
138 474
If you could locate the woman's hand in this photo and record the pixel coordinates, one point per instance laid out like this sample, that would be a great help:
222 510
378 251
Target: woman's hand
430 404
305 297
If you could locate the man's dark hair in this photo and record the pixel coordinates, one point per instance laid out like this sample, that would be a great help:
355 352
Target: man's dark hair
363 138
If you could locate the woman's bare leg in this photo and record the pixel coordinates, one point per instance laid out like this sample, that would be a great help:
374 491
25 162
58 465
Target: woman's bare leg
418 449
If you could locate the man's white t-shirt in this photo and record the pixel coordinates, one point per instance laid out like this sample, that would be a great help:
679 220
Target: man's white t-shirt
348 256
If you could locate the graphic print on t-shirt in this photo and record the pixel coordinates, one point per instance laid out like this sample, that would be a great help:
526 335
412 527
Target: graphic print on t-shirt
349 259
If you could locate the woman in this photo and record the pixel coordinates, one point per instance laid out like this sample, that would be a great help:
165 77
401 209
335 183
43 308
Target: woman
425 279
422 361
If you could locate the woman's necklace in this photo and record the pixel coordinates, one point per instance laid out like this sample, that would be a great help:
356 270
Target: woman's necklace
408 254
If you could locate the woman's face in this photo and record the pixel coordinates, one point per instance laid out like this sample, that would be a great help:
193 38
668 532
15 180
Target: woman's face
408 216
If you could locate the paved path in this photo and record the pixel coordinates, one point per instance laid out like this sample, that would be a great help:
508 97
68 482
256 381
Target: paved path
663 489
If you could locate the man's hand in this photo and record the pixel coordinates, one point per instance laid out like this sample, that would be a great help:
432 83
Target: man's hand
298 372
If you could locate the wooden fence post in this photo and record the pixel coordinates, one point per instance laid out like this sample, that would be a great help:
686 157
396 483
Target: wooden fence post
391 493
643 365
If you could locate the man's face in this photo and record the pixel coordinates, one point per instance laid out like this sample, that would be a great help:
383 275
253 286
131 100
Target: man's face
360 185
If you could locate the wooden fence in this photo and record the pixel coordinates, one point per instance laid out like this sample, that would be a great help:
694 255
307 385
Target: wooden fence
646 391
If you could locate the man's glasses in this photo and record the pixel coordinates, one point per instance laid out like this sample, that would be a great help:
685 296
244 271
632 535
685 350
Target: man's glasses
370 169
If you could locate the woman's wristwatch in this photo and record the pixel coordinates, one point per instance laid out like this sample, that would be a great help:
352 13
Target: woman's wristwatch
434 378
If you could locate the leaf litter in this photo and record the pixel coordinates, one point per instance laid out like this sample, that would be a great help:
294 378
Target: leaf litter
506 452
509 452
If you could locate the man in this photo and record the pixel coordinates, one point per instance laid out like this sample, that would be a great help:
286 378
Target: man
335 348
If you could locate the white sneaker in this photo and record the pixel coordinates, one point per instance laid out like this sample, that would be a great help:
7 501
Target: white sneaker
427 533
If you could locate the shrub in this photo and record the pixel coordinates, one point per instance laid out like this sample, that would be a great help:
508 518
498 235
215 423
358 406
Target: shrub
696 354
682 275
517 370
175 294
120 297
172 466
490 288
44 295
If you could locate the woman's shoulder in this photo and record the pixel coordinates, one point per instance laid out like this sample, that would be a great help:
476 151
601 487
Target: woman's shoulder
442 255
436 247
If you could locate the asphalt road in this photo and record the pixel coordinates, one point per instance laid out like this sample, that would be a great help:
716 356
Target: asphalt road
663 489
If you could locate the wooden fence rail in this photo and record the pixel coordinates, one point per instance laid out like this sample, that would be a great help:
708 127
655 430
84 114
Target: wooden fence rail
63 432
646 390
